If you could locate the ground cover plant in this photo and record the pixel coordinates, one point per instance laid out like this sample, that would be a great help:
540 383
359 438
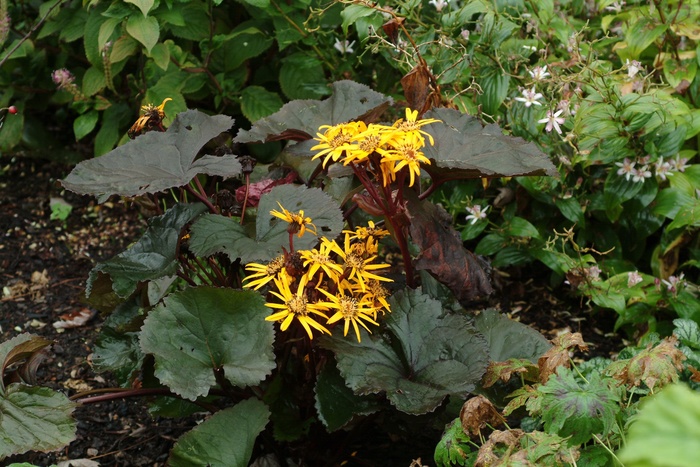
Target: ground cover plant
311 285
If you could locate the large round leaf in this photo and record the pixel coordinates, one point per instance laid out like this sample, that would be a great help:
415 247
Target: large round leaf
428 355
199 331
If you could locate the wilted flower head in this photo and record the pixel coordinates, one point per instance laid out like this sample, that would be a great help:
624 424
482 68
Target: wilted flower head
465 34
633 67
62 77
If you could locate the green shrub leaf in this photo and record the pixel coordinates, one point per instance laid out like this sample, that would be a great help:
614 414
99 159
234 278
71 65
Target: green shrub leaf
218 234
666 431
425 356
578 409
152 257
300 120
257 102
144 29
199 331
227 438
156 161
85 123
466 149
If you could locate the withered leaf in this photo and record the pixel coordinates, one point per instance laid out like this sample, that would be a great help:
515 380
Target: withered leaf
505 370
478 412
442 252
419 90
391 29
559 354
653 366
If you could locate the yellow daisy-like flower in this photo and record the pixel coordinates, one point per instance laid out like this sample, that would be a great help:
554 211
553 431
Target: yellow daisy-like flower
377 295
352 311
336 140
151 118
371 140
406 153
263 273
369 235
361 268
319 259
295 305
297 222
411 125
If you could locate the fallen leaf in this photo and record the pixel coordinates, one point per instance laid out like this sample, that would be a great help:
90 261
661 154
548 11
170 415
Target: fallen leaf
477 413
74 319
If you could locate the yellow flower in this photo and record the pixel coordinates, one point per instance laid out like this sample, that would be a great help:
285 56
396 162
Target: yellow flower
406 153
263 273
359 266
295 305
352 310
377 295
297 222
151 119
369 235
411 125
336 140
371 140
320 259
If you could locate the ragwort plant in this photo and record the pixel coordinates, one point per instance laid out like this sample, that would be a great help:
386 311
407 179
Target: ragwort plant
302 245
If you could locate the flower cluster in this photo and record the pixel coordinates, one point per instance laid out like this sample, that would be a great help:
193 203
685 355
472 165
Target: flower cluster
325 285
629 169
376 147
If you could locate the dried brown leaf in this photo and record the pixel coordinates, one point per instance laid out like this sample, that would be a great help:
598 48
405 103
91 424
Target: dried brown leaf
505 370
477 413
558 355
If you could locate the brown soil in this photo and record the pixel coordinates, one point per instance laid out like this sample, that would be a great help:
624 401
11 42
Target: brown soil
43 267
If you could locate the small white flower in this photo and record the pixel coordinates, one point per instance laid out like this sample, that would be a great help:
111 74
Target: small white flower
344 47
439 4
633 67
530 97
679 164
634 278
465 34
663 169
626 168
640 174
531 48
616 7
553 120
476 213
539 73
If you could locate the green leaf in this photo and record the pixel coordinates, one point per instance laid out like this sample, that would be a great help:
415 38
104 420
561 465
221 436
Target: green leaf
256 3
352 13
108 134
688 332
219 234
144 5
144 29
519 227
93 81
152 257
123 48
640 35
226 438
466 149
687 215
106 30
435 354
666 431
156 161
300 120
161 56
34 419
578 409
454 448
336 404
508 339
495 91
257 102
85 123
246 41
200 331
302 77
196 25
